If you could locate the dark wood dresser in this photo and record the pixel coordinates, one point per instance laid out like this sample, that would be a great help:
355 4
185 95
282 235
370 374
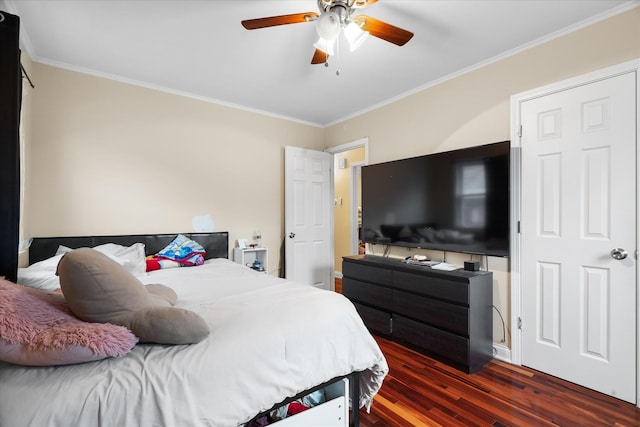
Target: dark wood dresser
443 314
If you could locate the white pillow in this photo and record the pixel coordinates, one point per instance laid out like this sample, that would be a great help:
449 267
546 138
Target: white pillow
38 279
47 264
41 275
63 250
132 258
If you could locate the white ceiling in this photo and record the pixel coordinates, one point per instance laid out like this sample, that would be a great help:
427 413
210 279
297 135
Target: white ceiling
199 48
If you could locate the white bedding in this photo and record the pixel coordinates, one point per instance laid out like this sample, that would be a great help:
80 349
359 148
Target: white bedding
270 339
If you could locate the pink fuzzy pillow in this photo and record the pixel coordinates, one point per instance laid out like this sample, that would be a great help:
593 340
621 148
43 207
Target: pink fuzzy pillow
38 329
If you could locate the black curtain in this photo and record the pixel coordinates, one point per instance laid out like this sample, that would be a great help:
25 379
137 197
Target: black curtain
10 101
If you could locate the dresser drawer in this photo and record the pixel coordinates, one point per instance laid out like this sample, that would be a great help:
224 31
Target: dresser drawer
451 317
376 320
433 341
375 295
367 273
432 286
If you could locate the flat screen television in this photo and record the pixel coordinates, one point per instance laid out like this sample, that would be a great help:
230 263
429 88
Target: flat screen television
454 201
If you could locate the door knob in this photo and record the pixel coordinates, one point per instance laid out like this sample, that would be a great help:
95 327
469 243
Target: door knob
618 253
292 235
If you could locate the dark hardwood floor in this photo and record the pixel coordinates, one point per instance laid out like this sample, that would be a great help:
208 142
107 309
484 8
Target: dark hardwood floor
420 391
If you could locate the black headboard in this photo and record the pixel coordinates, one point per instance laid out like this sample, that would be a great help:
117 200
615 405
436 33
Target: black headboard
215 244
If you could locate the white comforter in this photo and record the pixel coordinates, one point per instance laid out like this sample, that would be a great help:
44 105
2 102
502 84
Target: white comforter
270 339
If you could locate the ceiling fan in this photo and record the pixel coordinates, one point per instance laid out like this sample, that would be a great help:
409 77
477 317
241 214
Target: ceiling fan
337 16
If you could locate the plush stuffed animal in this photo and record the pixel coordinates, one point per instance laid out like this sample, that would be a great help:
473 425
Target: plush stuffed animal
98 289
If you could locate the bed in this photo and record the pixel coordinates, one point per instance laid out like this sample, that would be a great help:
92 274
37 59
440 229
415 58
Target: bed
272 341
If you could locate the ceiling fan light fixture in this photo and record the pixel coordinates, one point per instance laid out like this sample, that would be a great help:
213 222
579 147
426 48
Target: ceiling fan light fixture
328 26
355 35
325 45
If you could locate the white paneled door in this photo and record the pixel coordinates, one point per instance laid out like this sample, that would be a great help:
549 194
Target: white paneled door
578 228
308 209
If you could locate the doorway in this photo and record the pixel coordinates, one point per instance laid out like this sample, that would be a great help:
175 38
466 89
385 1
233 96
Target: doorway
348 160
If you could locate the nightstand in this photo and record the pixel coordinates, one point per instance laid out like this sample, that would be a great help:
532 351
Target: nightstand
248 256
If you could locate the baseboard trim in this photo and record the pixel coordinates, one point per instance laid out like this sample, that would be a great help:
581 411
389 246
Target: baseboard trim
502 352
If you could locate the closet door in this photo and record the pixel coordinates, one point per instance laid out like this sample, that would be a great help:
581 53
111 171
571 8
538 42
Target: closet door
579 234
10 98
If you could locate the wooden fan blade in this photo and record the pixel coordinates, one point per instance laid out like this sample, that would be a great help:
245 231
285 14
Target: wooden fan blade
319 57
384 31
272 21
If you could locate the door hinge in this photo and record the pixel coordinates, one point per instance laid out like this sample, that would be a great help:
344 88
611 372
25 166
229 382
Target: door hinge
520 323
518 225
519 132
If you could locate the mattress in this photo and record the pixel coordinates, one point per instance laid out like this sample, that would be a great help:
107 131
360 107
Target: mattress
270 339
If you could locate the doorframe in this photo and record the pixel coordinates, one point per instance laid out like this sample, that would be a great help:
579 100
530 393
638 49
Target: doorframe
632 66
361 142
353 185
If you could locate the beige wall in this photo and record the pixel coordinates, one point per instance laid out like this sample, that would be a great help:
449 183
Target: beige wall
112 158
342 210
474 109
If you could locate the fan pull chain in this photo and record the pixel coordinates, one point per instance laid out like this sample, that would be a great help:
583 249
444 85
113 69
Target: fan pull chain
338 56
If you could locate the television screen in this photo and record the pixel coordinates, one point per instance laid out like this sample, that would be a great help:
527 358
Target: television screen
454 201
